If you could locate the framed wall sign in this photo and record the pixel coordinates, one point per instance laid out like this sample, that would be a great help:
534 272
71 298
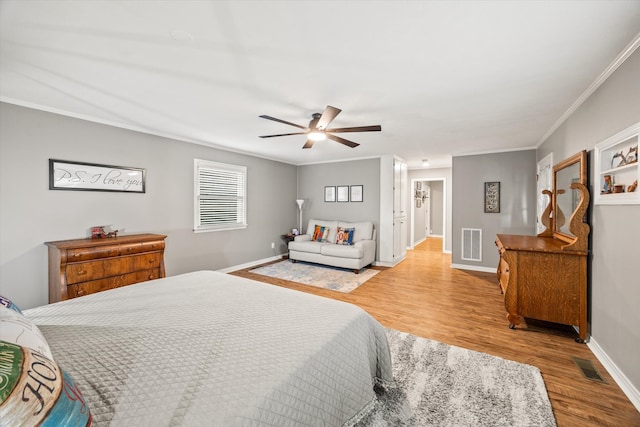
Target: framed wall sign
356 193
330 194
492 197
343 193
67 175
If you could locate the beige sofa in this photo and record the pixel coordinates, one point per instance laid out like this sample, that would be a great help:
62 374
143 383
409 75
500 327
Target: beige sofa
360 253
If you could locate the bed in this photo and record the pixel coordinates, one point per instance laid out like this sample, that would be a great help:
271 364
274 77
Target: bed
207 348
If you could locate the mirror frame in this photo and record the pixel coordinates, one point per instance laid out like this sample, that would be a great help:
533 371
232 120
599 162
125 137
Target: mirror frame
581 159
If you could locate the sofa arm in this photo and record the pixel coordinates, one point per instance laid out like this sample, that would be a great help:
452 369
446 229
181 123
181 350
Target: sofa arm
368 250
302 238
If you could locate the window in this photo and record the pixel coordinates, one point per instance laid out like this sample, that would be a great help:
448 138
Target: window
220 196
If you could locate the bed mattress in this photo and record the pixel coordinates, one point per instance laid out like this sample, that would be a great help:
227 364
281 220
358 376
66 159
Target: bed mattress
207 348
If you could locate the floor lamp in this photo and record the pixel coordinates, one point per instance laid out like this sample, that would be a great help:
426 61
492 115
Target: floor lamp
300 202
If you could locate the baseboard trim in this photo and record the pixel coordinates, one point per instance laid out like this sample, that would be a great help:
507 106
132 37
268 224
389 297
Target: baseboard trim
619 377
251 264
474 268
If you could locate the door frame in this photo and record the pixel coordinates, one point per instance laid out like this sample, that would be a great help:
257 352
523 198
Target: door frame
444 209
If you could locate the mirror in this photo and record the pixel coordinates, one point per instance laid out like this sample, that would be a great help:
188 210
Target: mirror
567 200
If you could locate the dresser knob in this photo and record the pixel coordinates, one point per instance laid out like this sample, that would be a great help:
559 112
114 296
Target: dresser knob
82 272
152 260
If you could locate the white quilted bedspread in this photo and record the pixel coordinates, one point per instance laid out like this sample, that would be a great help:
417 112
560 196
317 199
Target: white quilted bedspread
207 348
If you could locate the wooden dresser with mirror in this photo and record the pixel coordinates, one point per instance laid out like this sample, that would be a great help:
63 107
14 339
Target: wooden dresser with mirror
544 277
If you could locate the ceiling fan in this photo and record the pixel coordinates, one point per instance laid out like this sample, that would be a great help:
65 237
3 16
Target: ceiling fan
318 131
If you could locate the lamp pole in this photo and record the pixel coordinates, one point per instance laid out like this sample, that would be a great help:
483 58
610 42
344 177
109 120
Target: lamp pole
300 202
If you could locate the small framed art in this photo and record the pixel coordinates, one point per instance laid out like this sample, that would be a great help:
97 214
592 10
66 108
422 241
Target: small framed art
492 197
356 193
343 193
330 194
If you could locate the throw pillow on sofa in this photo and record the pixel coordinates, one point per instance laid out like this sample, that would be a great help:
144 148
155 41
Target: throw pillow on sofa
320 234
345 236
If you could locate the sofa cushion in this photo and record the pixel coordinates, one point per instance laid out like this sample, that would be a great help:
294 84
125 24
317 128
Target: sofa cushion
344 236
320 233
333 227
363 230
306 246
342 251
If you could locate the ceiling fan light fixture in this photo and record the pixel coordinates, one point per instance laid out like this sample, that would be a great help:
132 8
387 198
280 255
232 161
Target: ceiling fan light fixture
425 163
317 135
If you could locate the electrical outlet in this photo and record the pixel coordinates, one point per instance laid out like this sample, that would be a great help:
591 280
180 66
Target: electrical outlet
273 245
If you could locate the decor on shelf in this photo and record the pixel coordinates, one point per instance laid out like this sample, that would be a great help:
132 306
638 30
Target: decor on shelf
356 193
330 194
492 197
300 202
67 175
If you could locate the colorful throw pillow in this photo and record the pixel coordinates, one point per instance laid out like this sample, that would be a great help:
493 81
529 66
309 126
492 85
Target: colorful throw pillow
36 391
345 236
320 233
7 303
18 329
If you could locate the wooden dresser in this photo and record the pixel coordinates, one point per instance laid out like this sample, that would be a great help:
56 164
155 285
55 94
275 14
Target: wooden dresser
544 277
85 266
542 281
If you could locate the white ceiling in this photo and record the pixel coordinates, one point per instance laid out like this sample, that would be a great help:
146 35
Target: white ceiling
442 78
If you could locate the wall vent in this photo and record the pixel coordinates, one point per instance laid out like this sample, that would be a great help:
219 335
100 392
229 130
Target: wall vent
472 244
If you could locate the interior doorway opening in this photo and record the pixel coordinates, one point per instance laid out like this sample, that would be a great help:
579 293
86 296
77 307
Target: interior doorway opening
428 210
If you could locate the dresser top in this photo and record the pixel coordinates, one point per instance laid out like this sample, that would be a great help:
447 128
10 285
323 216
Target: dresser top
89 242
517 242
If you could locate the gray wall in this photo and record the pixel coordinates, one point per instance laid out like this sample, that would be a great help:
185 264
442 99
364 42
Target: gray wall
516 172
31 214
313 178
614 291
443 175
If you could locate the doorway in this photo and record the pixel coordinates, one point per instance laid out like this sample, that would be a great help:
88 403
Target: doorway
428 210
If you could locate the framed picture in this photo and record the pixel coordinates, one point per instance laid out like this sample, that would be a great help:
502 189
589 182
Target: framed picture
343 193
329 194
356 193
67 175
492 197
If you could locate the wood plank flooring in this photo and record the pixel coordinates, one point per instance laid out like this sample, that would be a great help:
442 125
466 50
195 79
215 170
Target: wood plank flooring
425 297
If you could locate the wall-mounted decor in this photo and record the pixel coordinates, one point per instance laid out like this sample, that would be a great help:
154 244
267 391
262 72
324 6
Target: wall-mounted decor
67 175
343 193
330 194
492 197
356 193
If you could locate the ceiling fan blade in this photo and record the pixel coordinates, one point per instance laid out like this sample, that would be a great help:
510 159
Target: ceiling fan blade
342 141
308 144
281 121
373 128
327 117
283 134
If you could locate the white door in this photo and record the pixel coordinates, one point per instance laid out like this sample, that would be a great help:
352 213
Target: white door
545 177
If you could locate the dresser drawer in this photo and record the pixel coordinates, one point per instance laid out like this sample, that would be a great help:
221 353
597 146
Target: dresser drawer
93 286
84 254
84 271
136 248
146 261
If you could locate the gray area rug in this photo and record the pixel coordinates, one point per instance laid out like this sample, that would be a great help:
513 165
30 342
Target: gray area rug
442 385
321 276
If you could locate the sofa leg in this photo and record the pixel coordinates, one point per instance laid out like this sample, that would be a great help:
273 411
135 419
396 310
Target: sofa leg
356 270
292 260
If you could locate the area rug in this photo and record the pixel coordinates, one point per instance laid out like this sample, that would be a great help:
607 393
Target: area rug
336 279
442 385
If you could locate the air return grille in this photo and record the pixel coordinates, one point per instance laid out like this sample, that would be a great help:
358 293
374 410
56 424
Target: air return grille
472 244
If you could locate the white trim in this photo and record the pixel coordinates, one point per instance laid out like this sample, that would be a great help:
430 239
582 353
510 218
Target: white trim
251 264
626 53
473 268
623 382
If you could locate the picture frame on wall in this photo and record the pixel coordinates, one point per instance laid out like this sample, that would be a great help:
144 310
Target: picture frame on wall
492 197
81 176
343 193
329 194
356 193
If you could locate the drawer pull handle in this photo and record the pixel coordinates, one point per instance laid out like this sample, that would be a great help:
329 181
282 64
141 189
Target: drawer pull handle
150 276
82 271
152 260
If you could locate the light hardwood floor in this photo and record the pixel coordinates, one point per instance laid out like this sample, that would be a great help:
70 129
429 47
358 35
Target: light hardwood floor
424 296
